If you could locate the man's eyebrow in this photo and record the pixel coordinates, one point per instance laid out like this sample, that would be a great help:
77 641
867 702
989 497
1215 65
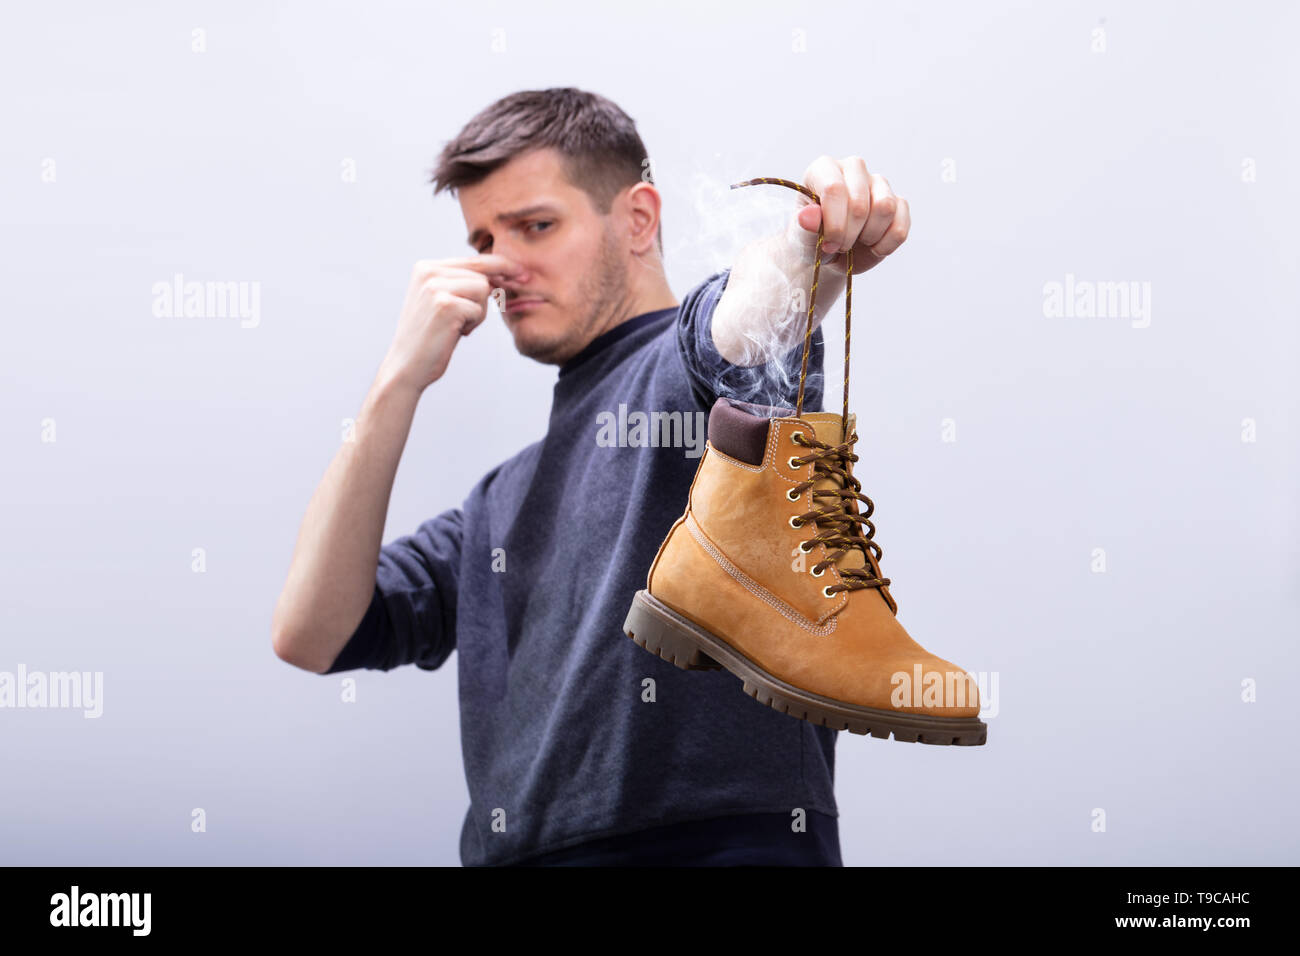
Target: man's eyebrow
533 210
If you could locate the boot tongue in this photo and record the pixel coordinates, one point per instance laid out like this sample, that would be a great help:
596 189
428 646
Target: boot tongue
830 429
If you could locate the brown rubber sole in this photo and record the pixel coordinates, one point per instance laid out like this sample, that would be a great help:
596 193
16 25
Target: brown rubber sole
661 630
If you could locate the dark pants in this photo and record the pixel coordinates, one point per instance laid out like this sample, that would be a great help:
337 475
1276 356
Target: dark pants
756 839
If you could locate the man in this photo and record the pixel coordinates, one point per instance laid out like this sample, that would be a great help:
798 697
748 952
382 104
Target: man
579 747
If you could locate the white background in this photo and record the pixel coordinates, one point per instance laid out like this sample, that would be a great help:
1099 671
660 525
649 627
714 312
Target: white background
1118 690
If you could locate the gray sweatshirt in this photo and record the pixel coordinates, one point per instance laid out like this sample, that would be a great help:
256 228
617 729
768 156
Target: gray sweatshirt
530 580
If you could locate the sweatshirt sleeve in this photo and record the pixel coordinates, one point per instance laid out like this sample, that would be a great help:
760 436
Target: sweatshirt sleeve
412 614
711 376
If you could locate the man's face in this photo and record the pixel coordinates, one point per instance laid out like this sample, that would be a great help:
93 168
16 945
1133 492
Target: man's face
574 278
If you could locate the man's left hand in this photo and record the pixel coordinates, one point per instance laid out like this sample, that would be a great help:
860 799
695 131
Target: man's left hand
859 210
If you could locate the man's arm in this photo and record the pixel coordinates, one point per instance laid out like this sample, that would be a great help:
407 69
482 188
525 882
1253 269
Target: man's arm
763 311
332 577
412 615
769 383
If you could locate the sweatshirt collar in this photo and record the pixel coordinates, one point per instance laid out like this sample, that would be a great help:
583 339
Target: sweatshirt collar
609 337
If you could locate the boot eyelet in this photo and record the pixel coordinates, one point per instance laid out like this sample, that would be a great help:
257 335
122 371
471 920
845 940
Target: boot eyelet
795 521
805 547
826 592
817 574
792 463
792 495
795 436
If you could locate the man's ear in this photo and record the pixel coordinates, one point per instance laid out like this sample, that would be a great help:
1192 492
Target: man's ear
644 205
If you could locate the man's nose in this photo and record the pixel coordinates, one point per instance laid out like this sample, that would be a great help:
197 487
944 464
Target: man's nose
518 257
517 285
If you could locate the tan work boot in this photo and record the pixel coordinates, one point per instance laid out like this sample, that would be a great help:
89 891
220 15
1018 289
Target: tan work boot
759 576
772 573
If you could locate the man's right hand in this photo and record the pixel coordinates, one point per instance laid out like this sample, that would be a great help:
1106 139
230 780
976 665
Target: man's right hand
446 300
332 576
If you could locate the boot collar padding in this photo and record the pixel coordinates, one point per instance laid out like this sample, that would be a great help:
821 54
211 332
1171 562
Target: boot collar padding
739 429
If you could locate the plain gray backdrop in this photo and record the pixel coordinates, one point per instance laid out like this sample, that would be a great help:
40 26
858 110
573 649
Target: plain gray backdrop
1154 144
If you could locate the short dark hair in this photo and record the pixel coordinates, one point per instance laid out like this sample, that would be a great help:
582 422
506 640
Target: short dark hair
601 149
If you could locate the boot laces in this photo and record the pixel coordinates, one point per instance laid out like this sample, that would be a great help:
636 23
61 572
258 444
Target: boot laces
840 525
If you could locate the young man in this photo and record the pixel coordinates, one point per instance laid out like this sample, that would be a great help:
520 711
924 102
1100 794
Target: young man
570 758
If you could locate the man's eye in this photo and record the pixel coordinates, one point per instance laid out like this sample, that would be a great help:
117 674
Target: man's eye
542 222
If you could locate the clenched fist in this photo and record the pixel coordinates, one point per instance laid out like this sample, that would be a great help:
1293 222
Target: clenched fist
859 210
446 300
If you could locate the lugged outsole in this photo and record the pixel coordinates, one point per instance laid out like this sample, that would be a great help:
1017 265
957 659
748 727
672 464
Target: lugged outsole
694 660
657 628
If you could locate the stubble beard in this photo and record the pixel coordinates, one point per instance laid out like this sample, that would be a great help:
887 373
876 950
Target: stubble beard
602 289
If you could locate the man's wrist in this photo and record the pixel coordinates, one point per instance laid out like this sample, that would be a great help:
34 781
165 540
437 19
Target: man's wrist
390 391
